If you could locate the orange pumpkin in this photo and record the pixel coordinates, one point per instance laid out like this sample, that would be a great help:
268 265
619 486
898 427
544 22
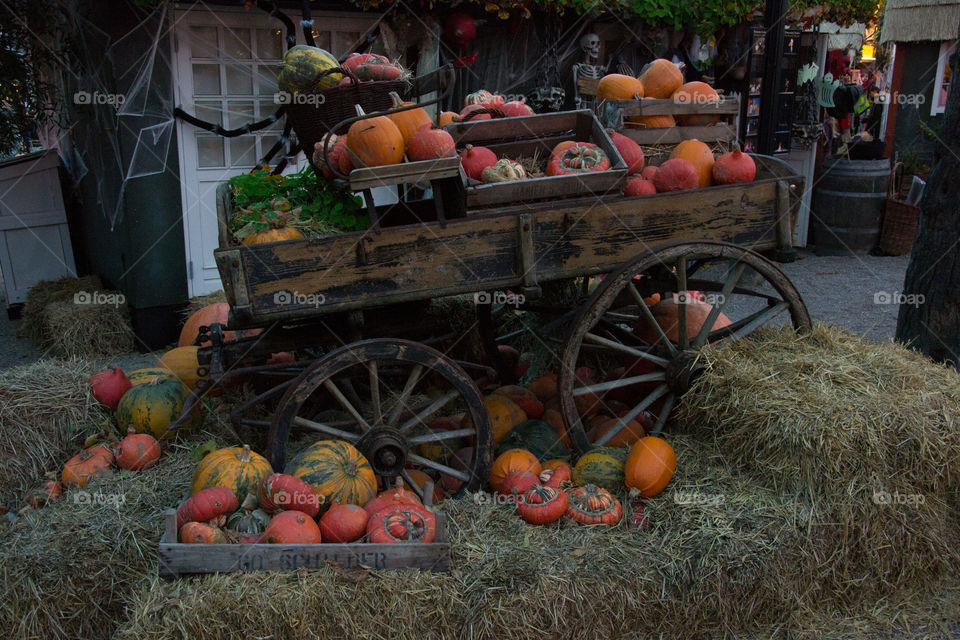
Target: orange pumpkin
137 451
504 416
292 527
343 523
699 155
555 419
616 86
653 122
389 498
667 313
88 464
200 533
650 465
544 387
512 460
420 479
278 232
210 314
628 434
402 523
523 398
661 78
375 142
447 117
696 93
408 122
593 505
183 363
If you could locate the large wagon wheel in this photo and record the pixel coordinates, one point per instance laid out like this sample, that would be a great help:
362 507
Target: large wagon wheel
388 392
648 367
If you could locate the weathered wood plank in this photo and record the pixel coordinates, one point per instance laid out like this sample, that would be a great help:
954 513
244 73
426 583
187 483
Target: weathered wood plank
523 127
406 172
673 135
668 107
177 559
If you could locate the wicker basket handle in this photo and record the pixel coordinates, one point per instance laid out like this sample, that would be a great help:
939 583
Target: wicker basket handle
341 70
893 186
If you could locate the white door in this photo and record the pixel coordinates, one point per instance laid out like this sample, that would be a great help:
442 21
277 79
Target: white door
225 72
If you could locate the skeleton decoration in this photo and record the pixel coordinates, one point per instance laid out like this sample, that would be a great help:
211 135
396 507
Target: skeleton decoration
546 99
587 74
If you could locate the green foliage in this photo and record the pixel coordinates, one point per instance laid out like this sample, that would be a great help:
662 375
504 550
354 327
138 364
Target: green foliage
315 207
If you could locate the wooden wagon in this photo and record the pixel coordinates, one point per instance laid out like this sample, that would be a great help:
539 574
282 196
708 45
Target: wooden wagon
372 371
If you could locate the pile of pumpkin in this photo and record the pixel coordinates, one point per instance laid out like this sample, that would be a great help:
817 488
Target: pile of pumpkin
327 493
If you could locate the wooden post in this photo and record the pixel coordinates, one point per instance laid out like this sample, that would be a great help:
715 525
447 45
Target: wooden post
784 227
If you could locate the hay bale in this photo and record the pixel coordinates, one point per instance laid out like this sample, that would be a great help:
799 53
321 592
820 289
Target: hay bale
46 411
199 302
67 570
88 331
34 326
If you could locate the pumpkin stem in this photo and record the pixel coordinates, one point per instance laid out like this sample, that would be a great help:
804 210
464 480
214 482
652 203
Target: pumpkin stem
249 503
395 98
244 454
360 111
131 430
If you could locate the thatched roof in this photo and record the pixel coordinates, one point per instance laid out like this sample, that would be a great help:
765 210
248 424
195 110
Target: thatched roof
917 20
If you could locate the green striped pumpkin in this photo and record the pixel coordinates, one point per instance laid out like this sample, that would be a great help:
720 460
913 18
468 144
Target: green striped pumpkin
142 376
537 437
603 466
150 407
301 67
336 471
237 468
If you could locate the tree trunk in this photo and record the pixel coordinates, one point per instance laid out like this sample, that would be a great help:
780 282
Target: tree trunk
929 317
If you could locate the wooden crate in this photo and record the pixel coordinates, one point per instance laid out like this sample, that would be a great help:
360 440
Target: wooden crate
526 135
615 114
178 559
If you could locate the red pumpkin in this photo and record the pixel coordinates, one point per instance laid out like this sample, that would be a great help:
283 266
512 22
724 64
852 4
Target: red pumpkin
46 492
402 523
430 144
580 157
676 174
201 533
214 503
376 70
88 464
335 149
390 498
460 462
734 167
592 505
482 96
292 527
696 93
518 483
137 451
470 108
630 151
516 108
542 505
523 398
283 492
108 386
557 475
649 172
638 186
459 28
354 60
476 159
218 312
343 523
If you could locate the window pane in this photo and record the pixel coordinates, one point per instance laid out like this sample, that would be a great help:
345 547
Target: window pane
206 79
239 80
210 112
322 39
343 42
203 42
267 107
239 114
269 44
267 79
210 151
243 151
236 44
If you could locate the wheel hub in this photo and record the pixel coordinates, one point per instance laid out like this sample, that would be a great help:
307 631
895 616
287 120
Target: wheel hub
682 371
386 450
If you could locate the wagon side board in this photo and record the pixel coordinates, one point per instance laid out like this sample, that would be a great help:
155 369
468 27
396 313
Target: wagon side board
177 559
299 279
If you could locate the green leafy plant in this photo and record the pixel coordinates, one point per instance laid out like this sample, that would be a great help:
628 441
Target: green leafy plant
315 207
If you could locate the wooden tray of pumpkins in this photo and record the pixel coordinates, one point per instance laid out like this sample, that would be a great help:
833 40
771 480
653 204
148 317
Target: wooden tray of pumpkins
284 522
537 157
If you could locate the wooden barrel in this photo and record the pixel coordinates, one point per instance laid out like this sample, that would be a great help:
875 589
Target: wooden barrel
848 203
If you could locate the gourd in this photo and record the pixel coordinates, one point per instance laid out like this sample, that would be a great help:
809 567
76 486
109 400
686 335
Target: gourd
430 144
238 468
523 398
628 434
504 416
649 172
512 460
592 505
537 437
402 523
447 117
90 463
337 472
476 159
343 523
248 519
544 387
409 121
278 231
420 479
335 148
638 186
616 86
661 78
301 69
676 174
213 313
603 466
292 527
49 491
504 170
283 492
699 155
555 419
108 386
518 483
376 70
200 533
516 108
696 93
667 312
580 157
467 115
374 142
354 60
184 364
556 476
215 504
650 466
653 122
389 498
152 406
733 167
137 451
630 151
542 505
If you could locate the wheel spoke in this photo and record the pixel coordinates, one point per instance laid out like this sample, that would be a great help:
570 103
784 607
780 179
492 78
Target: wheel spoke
325 428
450 471
630 415
732 279
332 388
437 436
664 413
432 409
413 485
616 346
623 382
411 382
624 317
748 324
650 319
375 392
682 311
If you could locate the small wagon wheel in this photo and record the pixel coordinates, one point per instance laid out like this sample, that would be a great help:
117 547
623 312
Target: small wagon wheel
388 392
619 354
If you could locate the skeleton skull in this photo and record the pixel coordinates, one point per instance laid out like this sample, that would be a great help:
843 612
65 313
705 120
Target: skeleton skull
590 44
544 99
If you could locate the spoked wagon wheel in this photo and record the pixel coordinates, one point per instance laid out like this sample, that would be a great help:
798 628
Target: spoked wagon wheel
632 353
388 395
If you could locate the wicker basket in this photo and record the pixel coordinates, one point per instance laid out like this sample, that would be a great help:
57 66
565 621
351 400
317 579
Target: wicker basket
312 118
900 219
